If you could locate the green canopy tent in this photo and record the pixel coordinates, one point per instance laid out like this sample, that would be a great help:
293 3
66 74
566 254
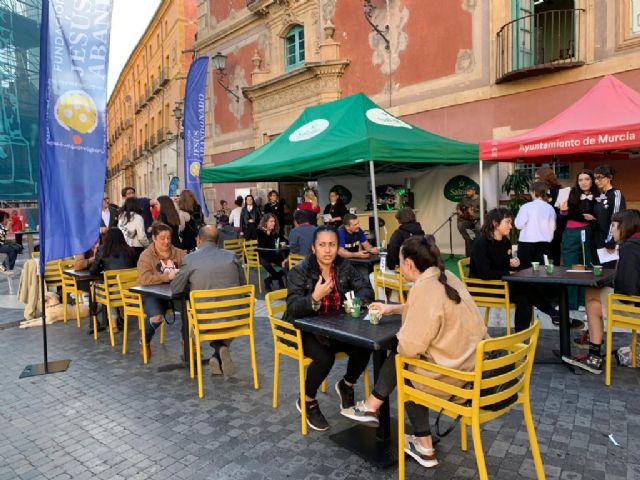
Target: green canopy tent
343 137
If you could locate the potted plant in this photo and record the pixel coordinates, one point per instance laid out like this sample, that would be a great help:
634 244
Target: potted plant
516 185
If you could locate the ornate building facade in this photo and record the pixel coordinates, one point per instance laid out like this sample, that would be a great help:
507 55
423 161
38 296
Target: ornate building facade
466 69
141 112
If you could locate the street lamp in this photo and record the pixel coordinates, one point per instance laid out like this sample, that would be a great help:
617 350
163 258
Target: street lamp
220 63
177 113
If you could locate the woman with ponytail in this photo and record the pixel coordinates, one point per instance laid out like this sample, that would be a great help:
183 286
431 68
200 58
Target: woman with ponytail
440 324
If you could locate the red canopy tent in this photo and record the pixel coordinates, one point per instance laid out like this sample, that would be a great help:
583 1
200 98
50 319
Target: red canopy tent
606 118
605 123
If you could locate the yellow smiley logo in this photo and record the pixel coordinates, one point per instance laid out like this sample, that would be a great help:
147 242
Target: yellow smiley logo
195 169
75 110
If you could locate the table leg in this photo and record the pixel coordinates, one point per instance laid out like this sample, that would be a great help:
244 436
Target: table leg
379 449
184 333
563 304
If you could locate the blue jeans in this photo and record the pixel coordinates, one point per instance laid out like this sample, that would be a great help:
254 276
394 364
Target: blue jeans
152 308
12 254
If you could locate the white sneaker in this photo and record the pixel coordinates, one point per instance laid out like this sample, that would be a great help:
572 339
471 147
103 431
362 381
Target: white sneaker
424 456
360 413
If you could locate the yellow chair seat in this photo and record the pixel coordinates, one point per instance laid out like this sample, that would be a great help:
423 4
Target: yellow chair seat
623 311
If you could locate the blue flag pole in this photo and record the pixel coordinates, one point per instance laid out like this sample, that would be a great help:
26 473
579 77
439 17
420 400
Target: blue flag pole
72 135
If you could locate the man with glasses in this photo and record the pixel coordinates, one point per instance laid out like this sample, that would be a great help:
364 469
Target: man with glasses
109 215
610 202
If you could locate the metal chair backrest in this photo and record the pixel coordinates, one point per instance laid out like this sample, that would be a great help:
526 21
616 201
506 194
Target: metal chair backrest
294 259
108 292
68 282
286 338
388 279
221 309
236 246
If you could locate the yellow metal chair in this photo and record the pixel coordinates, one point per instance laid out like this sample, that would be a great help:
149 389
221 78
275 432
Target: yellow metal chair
623 311
294 259
252 260
487 293
287 340
53 274
108 294
520 350
389 280
132 306
69 287
219 315
236 246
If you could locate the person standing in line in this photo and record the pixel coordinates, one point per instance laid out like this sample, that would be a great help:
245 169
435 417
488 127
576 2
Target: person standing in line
579 220
468 211
250 218
536 221
276 206
608 203
131 224
235 216
336 209
548 177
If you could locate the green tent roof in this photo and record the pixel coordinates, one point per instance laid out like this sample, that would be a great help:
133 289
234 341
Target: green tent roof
339 138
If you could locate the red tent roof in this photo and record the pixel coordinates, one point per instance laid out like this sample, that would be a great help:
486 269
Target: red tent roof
607 118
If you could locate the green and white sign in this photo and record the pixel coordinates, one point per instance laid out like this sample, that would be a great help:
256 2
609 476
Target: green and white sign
456 188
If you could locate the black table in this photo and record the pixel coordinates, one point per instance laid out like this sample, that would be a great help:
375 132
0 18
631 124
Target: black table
84 280
562 279
379 338
163 292
368 262
272 250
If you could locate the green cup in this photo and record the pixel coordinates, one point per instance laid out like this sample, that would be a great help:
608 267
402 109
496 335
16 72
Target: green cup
355 311
549 267
597 270
535 266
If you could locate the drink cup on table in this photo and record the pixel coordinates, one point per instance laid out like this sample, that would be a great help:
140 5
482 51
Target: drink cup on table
374 317
597 270
535 266
355 307
549 267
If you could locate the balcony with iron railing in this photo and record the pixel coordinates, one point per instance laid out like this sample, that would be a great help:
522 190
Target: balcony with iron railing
160 135
540 43
164 79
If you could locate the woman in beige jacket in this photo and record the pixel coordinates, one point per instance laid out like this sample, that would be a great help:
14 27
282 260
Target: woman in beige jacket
440 324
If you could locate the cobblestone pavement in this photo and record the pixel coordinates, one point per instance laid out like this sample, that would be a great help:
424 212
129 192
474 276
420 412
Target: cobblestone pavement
111 417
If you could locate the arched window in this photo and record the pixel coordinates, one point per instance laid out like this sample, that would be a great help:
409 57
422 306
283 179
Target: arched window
294 47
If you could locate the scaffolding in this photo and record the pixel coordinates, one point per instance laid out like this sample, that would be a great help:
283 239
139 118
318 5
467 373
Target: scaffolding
19 78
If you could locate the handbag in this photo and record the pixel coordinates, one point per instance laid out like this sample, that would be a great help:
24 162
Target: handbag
485 392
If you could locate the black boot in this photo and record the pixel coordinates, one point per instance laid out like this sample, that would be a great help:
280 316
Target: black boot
267 284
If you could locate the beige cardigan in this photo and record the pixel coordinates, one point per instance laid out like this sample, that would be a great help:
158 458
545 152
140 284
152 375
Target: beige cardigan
436 329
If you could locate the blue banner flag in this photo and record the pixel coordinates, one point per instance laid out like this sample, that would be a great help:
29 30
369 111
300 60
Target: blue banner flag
74 53
194 120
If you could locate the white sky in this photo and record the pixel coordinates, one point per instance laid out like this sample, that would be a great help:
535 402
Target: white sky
129 21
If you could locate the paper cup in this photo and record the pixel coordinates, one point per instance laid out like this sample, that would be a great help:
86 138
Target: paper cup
597 270
535 266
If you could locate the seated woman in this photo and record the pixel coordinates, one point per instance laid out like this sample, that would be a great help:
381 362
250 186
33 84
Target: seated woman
491 260
317 286
268 237
83 261
626 233
113 254
440 324
159 263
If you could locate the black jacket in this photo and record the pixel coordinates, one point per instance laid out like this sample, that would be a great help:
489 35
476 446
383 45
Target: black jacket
337 210
579 204
607 204
249 228
302 280
490 259
103 264
627 279
276 209
398 237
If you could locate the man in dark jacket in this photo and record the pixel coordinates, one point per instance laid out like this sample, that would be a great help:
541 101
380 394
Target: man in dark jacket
210 268
408 227
318 286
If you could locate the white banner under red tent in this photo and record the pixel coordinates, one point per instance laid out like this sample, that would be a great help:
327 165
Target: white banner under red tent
606 118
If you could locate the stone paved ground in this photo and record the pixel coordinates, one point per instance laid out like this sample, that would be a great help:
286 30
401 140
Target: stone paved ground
111 417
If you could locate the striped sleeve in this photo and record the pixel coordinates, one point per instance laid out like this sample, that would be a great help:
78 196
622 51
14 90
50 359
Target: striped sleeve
618 205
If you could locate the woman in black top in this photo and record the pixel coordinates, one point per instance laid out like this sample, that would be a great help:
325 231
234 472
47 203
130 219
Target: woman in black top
336 208
113 254
578 217
249 218
188 203
276 206
608 203
169 216
548 177
491 260
269 237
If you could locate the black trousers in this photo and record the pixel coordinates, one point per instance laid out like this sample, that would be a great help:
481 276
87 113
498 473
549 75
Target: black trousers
386 384
322 352
525 297
533 252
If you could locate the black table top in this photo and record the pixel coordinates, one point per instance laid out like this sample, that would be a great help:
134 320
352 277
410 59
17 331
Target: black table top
272 250
161 290
83 275
354 331
560 276
371 260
